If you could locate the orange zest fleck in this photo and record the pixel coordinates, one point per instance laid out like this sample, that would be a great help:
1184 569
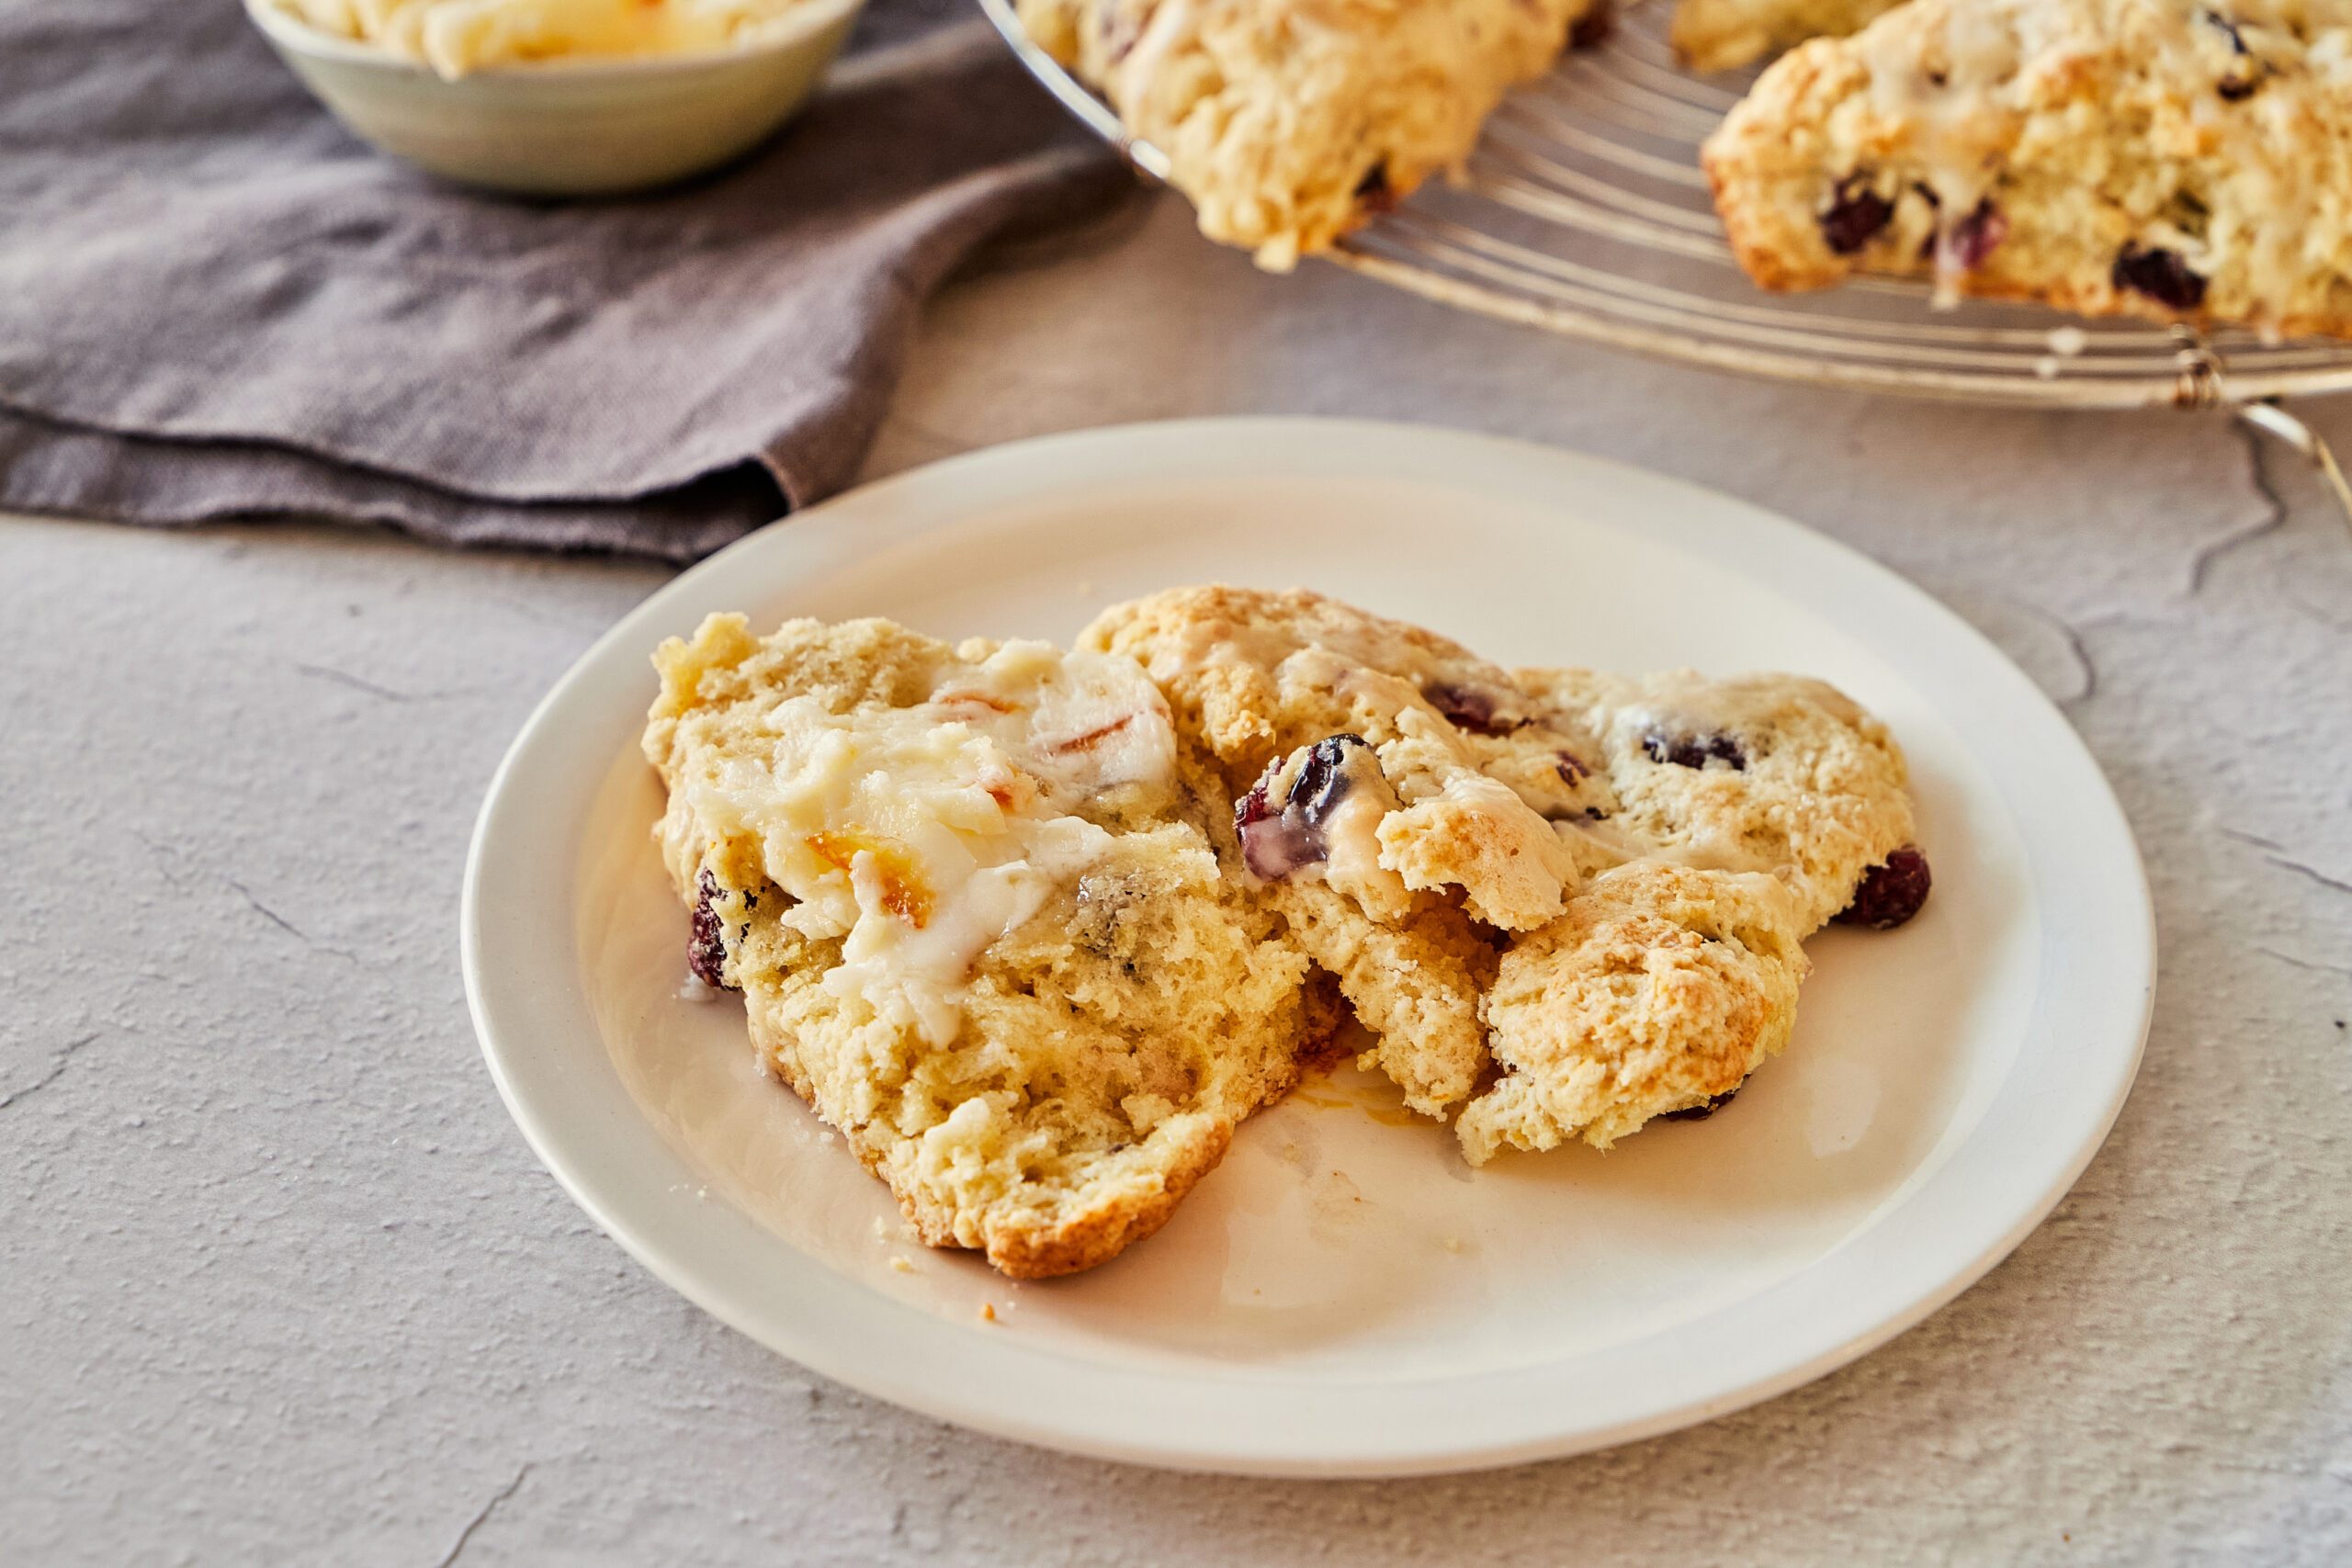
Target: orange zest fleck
903 892
977 699
1086 742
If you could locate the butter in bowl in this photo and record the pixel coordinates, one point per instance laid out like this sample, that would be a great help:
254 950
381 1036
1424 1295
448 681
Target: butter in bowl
559 97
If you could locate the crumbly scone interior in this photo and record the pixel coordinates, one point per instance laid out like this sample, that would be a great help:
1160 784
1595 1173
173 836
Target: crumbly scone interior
1659 990
1288 122
1387 805
1044 1063
2172 159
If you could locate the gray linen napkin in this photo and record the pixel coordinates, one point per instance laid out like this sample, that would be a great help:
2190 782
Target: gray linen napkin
214 303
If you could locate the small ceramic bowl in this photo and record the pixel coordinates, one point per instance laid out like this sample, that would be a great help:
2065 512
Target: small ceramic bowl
568 127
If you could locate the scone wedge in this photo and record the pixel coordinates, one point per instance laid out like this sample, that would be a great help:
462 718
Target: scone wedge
1288 122
2182 160
976 921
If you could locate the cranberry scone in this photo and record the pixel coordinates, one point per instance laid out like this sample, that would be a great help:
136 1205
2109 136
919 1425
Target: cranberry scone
1392 800
1288 122
976 921
1742 814
1723 35
2182 160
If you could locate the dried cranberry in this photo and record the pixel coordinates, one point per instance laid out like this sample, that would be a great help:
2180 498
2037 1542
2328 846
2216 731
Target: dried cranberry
1968 241
1277 842
1891 892
1702 1111
1467 707
2245 68
1855 215
1694 750
2160 275
1322 781
1594 26
707 950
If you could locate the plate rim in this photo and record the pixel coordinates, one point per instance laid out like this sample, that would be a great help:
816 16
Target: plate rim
988 1368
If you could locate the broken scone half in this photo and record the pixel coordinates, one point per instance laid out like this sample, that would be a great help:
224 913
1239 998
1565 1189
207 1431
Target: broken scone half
1393 800
1738 814
976 921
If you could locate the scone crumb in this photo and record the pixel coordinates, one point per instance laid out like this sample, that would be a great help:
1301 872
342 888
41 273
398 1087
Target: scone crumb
988 1311
1452 1243
898 1264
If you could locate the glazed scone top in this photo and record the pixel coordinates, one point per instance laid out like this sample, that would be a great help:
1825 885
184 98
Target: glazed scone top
1961 77
456 37
923 824
2176 158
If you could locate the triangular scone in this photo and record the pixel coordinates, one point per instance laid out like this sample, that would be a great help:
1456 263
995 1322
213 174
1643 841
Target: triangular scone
2182 160
1776 773
1392 795
975 923
1661 990
1722 35
1288 122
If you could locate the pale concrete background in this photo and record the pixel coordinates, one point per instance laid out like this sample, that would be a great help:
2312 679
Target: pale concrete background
280 1283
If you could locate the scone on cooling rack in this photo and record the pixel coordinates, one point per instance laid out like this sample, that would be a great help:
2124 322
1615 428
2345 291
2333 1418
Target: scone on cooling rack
1288 122
1723 35
975 922
1742 814
2182 160
1392 796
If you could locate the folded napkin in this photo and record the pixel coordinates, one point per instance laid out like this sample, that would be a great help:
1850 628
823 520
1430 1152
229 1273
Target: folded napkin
214 303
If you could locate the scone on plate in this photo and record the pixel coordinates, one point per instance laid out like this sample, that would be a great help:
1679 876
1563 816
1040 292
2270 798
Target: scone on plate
2182 160
1288 122
1393 795
976 921
1722 35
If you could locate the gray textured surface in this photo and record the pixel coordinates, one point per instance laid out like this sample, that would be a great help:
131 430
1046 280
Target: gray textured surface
279 1283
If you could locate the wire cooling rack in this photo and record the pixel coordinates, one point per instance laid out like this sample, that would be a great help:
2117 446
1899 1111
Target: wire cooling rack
1583 212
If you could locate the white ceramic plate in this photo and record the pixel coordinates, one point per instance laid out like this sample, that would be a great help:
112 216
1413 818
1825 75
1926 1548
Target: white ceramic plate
1344 1295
